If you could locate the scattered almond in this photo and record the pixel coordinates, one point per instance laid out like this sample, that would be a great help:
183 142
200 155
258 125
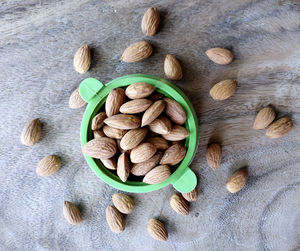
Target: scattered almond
177 133
48 165
135 106
123 121
123 169
115 219
279 128
82 59
137 52
223 90
100 148
191 196
220 55
161 125
173 155
133 138
113 133
175 111
71 213
123 203
114 101
179 204
140 169
153 112
142 152
172 68
158 142
264 118
214 155
237 180
75 100
150 21
31 132
109 163
139 90
98 121
157 230
157 175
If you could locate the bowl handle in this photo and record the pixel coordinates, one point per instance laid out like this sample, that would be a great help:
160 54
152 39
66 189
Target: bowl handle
89 88
186 182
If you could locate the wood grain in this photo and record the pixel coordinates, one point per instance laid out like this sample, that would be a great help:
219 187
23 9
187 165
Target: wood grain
37 42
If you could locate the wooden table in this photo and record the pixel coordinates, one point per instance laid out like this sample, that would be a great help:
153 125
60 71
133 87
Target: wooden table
37 42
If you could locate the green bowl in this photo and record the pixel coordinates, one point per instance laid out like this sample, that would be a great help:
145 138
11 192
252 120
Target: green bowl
94 93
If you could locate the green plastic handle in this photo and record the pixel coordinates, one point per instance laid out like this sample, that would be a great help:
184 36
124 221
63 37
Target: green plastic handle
89 88
186 182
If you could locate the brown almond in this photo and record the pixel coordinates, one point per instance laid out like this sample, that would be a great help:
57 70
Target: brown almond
98 121
123 203
175 111
98 134
157 175
172 68
100 148
179 204
158 142
150 21
109 163
133 138
155 96
120 148
223 90
114 100
153 112
137 52
48 165
75 100
142 152
140 169
220 55
123 121
237 180
157 230
214 155
161 125
176 134
139 90
115 219
82 59
264 118
113 133
279 128
191 196
71 213
135 106
31 132
173 155
123 167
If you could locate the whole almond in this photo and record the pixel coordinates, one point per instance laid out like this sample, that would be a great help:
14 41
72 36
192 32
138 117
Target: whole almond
172 68
220 55
150 21
140 169
31 132
158 142
71 213
135 106
100 148
142 152
123 203
123 121
137 52
264 118
123 167
109 163
191 196
175 111
223 90
98 134
173 155
113 133
179 204
279 128
161 125
157 175
114 100
139 90
157 230
115 219
97 121
48 165
133 138
214 155
82 59
177 133
237 180
153 112
75 100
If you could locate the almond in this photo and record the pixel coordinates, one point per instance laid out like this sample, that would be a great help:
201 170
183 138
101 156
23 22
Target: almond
98 134
179 204
191 196
109 163
133 138
113 133
123 203
223 90
140 169
264 118
48 165
279 128
137 52
220 55
150 21
75 100
121 149
157 230
71 213
139 90
161 125
177 133
172 68
155 96
175 111
159 143
214 155
142 152
123 121
135 106
82 59
153 112
31 132
157 175
115 219
98 121
114 101
100 148
123 169
173 155
237 180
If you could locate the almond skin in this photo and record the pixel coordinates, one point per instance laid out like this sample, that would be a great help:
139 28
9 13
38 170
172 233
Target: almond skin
123 203
71 213
155 96
157 230
137 52
98 121
75 100
172 68
31 132
279 128
113 133
264 118
48 165
153 112
223 90
133 138
220 55
158 142
114 100
191 196
161 125
140 169
139 90
82 59
123 167
237 180
176 134
179 204
150 21
123 121
214 155
173 155
100 148
98 134
135 106
115 219
175 111
109 163
142 152
157 175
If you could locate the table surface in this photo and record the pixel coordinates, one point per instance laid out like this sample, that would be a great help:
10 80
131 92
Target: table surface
37 42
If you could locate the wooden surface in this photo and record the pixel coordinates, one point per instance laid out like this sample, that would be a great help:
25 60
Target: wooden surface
37 42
